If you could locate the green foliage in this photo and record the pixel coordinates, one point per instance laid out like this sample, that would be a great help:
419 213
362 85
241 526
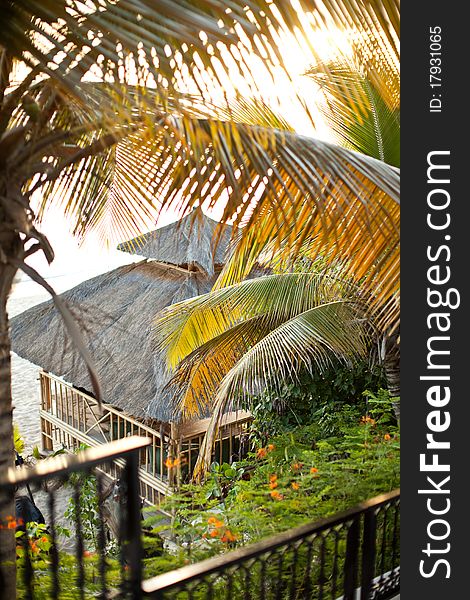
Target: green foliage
348 453
86 509
18 440
42 581
325 399
303 474
35 539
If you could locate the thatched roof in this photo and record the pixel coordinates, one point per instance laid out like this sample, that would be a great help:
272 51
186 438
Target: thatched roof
115 311
189 243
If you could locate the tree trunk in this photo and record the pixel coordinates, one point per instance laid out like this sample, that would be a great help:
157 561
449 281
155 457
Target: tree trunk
392 371
7 504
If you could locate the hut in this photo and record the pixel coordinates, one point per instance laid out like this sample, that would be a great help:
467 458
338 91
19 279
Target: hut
115 312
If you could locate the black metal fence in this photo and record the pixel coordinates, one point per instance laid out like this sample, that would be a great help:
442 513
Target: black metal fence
89 569
352 556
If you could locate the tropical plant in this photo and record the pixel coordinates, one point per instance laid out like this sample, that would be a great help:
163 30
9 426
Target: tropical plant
363 111
58 133
308 473
212 351
239 340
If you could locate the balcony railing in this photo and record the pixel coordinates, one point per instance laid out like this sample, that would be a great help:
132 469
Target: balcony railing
352 556
71 417
46 576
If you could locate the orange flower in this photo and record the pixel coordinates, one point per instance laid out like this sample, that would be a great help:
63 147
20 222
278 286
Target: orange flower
261 453
34 547
273 485
296 466
12 525
295 485
87 553
367 419
271 447
387 437
214 533
170 463
228 537
275 495
44 539
273 477
313 470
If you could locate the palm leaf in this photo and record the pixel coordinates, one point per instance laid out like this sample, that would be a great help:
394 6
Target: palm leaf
197 377
186 326
307 341
376 132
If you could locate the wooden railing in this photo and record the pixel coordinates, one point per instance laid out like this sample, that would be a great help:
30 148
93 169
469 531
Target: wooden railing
70 417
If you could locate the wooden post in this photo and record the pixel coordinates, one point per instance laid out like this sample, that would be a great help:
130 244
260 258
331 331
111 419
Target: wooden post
180 458
173 455
162 449
46 402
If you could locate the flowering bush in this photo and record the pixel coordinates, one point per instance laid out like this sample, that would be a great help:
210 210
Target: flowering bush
299 476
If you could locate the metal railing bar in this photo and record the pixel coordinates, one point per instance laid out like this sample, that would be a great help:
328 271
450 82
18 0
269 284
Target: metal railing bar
54 551
101 536
66 463
351 563
369 552
223 562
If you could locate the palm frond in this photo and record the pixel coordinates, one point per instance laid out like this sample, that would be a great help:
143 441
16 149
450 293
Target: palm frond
149 43
197 377
324 201
182 328
307 341
376 132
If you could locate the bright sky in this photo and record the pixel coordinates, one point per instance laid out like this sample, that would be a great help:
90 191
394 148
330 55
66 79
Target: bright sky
281 94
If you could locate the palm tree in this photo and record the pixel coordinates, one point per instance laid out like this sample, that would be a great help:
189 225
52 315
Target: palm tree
59 133
234 342
220 353
254 334
64 136
373 130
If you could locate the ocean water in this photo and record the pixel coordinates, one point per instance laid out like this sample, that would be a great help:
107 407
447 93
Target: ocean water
25 377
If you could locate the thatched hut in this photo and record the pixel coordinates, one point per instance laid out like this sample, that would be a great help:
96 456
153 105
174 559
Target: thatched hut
115 311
